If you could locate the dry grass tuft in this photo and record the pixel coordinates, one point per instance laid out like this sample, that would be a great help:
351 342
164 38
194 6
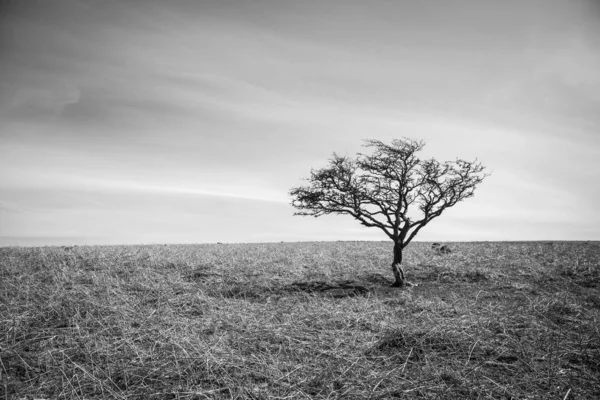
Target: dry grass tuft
300 320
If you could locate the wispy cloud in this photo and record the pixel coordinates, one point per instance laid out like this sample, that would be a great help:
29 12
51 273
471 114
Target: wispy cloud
78 182
237 191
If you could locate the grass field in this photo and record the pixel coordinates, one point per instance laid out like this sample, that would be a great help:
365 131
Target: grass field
259 321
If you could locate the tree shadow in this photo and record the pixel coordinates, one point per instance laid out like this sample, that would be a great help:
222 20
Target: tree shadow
335 289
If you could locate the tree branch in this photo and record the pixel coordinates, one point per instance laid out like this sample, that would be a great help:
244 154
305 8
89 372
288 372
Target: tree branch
379 189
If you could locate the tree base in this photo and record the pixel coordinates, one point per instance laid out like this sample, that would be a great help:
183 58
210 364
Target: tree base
399 278
403 284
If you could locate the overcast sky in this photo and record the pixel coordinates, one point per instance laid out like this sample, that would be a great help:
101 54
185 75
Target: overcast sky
189 121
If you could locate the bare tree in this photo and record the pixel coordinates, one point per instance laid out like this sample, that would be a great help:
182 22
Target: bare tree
391 189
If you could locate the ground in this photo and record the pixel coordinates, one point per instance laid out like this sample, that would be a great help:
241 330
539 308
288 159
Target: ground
300 320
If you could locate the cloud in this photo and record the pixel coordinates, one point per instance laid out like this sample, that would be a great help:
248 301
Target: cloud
39 99
558 84
91 182
12 207
241 192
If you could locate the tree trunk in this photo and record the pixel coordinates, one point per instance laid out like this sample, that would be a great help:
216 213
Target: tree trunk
396 266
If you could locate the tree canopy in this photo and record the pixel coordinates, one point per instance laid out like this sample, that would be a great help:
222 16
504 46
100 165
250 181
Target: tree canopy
391 188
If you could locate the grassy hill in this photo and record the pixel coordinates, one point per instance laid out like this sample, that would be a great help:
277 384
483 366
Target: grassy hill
300 320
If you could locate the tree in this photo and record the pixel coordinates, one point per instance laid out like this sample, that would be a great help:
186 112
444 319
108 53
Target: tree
391 189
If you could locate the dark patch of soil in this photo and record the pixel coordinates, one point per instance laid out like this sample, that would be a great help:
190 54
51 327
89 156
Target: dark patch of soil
339 289
376 279
241 291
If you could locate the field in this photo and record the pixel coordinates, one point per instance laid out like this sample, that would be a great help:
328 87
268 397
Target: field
505 320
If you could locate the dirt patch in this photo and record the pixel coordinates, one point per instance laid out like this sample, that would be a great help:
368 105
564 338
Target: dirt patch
339 289
376 279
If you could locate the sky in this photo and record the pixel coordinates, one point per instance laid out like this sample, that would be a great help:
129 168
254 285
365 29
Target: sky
125 122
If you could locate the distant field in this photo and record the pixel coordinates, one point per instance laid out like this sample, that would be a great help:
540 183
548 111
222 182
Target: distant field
259 321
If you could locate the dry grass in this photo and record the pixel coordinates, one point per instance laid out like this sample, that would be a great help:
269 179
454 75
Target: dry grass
488 321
